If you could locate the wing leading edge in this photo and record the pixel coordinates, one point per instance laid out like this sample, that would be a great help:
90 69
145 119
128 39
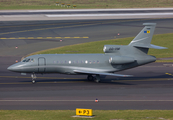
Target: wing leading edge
100 73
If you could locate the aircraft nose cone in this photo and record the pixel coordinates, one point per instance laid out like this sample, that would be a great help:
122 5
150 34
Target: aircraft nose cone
11 68
14 67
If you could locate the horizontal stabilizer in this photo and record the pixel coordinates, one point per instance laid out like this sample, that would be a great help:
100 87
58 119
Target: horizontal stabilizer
100 73
150 46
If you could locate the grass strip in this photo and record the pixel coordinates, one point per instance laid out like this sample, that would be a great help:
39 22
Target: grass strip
99 115
82 4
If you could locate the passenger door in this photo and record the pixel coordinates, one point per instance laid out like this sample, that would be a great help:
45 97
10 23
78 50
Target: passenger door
41 64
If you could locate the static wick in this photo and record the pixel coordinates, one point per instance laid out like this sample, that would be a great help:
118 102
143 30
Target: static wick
96 100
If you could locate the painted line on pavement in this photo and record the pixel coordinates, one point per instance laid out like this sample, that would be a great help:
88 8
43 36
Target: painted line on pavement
45 38
37 77
81 24
155 79
102 15
86 100
70 80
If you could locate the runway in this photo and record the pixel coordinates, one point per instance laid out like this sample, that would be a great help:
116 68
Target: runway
85 14
150 87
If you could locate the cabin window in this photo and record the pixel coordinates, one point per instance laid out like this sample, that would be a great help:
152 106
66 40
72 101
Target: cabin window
93 61
97 61
90 62
65 62
69 62
86 61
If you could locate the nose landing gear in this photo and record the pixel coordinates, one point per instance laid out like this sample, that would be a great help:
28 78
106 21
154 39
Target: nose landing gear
33 76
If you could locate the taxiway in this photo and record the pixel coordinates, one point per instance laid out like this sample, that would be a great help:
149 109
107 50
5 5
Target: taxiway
150 88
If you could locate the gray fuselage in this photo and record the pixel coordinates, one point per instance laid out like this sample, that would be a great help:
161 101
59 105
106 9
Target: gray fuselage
67 63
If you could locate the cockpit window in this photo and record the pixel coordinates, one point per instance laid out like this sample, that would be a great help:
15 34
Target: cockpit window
28 60
32 60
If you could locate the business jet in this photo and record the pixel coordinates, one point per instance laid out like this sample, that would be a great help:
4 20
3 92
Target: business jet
115 58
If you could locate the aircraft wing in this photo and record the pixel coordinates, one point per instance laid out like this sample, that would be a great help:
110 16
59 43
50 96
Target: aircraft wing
100 73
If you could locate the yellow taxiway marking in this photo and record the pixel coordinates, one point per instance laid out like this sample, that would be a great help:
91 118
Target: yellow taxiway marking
86 100
55 82
151 79
11 38
45 37
85 37
78 80
37 77
169 74
30 37
49 37
20 38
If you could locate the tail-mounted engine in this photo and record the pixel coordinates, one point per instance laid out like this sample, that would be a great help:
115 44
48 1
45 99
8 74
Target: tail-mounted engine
121 60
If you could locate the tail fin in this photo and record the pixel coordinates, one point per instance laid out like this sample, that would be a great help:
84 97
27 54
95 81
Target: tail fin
143 39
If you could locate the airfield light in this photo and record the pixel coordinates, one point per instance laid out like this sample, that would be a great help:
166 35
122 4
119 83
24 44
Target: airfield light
96 100
68 5
57 3
74 6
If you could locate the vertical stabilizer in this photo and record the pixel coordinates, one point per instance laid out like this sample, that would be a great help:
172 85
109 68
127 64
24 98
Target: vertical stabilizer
143 39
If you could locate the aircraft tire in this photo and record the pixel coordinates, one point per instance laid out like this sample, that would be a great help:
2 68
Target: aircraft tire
33 81
90 78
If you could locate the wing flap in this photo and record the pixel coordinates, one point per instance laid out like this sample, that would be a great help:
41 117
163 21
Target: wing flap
100 73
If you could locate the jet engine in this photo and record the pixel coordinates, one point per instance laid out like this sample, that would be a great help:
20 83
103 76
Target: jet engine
121 60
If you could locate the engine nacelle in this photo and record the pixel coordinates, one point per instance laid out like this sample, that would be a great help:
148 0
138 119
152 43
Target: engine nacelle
121 60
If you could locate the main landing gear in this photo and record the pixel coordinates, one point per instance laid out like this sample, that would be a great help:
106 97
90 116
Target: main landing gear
33 76
96 78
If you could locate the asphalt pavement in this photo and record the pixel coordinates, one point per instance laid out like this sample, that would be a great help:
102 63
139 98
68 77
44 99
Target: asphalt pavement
150 87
